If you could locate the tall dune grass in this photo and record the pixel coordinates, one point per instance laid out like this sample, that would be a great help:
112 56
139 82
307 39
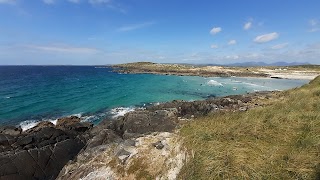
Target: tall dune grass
278 141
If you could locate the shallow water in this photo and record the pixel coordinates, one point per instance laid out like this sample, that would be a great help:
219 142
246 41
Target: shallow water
33 93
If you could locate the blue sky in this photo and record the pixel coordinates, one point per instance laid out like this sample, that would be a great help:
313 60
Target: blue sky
90 32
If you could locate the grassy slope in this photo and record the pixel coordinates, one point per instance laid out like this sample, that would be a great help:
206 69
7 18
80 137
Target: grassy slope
278 141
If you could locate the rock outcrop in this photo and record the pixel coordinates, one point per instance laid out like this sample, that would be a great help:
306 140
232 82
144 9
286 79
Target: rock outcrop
193 109
140 122
135 158
10 130
40 152
119 143
143 143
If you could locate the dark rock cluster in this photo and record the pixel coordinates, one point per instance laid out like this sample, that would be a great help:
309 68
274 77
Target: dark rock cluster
187 109
133 124
144 121
40 152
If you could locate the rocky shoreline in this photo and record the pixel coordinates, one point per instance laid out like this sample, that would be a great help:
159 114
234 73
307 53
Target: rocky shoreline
129 146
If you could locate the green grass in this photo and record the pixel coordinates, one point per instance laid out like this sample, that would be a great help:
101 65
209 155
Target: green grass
278 141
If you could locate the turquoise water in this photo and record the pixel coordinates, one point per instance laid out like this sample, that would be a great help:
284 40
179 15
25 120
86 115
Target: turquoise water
34 93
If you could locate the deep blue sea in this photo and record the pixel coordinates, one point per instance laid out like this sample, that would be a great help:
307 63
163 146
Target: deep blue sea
29 94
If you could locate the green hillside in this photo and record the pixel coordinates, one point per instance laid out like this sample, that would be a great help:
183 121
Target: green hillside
278 141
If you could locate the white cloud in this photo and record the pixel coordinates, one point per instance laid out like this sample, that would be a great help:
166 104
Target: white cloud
279 46
49 1
215 30
8 1
214 46
99 1
62 49
135 26
247 26
232 42
266 37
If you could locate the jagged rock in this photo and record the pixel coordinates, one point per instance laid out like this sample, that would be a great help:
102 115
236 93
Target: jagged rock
105 136
122 152
6 139
123 155
41 125
66 121
121 162
98 140
115 139
10 130
80 127
39 163
105 124
201 108
127 135
24 141
139 122
73 124
39 153
129 142
158 145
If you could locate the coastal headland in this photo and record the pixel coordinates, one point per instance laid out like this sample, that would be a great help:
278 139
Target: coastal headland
259 135
290 72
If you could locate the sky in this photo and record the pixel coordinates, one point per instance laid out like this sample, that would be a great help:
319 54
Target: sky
98 32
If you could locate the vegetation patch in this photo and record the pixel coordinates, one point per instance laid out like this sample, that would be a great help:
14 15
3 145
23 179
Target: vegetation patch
278 141
138 167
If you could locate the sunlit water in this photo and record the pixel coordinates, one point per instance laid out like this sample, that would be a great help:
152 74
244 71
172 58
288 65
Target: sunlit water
32 93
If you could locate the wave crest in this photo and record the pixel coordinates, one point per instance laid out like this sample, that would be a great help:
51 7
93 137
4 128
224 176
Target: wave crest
120 111
214 83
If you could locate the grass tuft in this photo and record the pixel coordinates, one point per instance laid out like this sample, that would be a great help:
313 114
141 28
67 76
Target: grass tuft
278 141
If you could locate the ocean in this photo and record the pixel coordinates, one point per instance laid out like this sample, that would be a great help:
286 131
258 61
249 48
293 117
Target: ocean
29 94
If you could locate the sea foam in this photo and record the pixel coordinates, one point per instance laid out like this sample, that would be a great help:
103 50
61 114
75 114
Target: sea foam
120 111
214 83
28 124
